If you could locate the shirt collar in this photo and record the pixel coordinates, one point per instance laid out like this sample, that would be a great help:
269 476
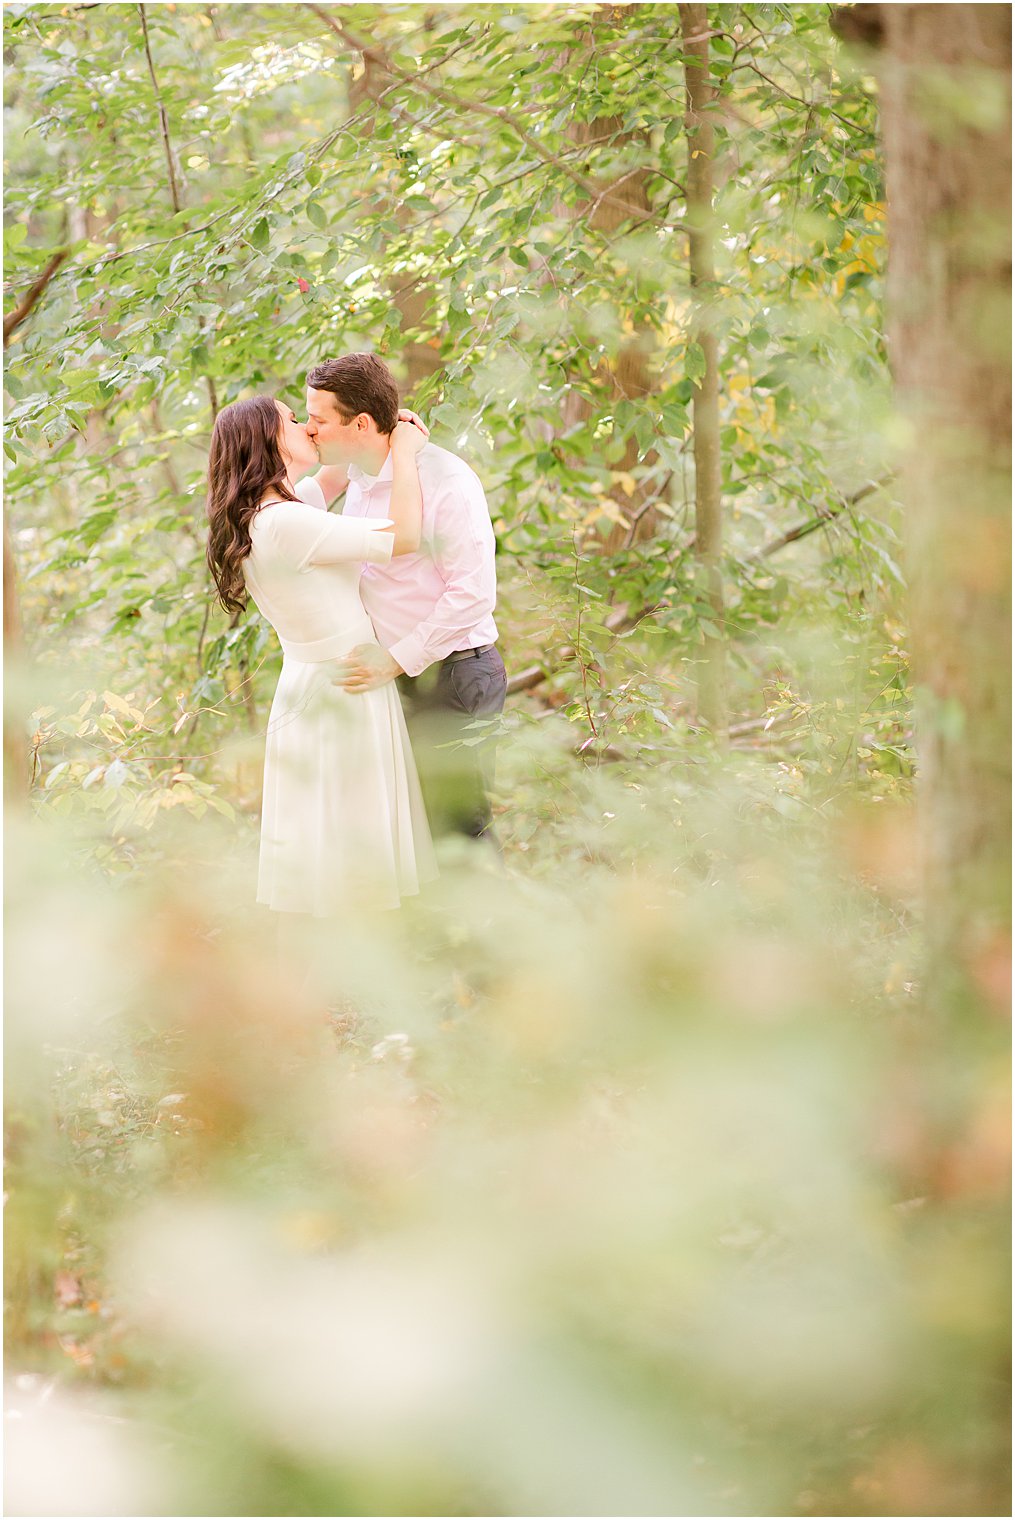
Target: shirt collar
367 482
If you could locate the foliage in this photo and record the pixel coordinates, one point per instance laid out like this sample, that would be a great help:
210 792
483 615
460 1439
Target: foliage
466 183
615 1191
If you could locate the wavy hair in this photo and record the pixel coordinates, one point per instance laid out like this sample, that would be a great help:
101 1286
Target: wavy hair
244 462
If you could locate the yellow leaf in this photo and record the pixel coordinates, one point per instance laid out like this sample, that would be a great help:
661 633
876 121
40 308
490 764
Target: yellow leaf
608 509
117 704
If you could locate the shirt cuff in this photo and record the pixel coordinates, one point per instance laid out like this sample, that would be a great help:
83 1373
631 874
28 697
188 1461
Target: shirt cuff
410 654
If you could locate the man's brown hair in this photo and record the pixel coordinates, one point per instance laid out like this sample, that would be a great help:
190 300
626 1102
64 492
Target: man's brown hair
359 383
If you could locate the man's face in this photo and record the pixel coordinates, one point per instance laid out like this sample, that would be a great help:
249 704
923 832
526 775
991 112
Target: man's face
336 441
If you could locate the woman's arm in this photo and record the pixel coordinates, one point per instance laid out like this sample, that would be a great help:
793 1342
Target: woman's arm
406 510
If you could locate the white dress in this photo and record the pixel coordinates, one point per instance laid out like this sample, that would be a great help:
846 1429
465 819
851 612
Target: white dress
342 821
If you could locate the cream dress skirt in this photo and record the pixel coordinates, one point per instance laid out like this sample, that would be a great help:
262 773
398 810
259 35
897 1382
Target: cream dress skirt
342 822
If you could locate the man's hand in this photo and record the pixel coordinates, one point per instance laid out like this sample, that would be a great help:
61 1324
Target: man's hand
366 666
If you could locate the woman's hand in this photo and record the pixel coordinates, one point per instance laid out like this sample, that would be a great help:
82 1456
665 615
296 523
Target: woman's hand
407 439
404 415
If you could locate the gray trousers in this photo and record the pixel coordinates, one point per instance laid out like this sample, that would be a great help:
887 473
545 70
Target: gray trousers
456 777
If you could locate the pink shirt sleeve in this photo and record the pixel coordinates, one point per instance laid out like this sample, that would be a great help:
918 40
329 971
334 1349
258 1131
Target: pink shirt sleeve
463 552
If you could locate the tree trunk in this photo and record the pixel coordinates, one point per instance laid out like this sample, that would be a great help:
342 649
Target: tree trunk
946 121
412 298
705 413
15 743
628 377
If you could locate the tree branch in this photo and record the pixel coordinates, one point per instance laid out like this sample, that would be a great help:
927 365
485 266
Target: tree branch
477 107
825 515
13 319
174 194
799 99
620 620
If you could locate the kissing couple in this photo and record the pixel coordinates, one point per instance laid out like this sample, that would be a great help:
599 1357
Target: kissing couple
389 600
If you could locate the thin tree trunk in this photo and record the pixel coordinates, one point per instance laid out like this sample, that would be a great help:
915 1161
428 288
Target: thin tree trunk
15 744
946 121
707 460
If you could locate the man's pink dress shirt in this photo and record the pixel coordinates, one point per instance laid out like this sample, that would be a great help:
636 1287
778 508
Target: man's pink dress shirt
428 604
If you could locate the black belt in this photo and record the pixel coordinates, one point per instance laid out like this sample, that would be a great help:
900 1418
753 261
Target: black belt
466 654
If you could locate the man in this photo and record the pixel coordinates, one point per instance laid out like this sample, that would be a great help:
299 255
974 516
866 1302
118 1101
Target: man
432 610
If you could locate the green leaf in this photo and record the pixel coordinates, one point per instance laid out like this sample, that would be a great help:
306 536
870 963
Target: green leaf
260 234
316 214
694 362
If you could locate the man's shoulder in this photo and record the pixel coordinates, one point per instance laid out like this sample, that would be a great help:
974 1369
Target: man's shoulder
439 466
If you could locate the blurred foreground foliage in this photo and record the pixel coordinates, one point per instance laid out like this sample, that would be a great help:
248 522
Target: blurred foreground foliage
626 1183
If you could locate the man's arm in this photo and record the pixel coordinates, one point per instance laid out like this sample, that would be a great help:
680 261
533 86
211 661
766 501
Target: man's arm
463 551
332 479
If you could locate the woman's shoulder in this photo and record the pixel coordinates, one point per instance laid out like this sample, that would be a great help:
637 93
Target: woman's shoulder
308 494
278 513
262 519
270 527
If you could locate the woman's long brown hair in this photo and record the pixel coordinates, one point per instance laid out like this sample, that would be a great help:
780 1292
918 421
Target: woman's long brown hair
245 461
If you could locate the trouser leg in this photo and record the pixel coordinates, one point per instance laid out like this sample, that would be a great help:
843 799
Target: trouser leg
456 772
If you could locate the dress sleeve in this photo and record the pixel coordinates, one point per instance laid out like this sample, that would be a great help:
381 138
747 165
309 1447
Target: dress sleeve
309 491
304 536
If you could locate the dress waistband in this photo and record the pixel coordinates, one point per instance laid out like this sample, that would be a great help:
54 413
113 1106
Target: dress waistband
332 647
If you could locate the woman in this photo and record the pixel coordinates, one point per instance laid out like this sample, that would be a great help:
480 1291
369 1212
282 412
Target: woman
342 818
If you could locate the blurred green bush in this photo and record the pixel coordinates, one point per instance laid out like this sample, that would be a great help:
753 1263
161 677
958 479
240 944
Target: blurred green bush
622 1178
